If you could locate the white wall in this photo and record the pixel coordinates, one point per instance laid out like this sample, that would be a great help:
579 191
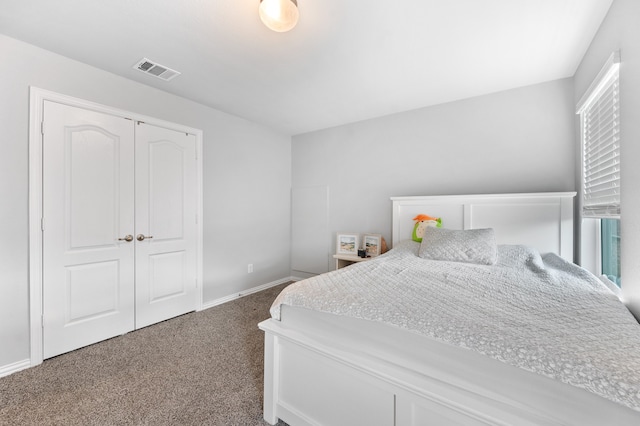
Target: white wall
621 30
247 181
520 140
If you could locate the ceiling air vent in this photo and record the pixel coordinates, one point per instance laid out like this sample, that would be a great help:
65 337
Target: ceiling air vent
148 67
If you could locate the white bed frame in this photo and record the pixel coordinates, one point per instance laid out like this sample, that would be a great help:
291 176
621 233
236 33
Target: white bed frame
541 220
322 369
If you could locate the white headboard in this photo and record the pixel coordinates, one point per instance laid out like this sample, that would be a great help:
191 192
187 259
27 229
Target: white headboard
541 220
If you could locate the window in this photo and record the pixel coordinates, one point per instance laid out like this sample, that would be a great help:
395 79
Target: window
599 111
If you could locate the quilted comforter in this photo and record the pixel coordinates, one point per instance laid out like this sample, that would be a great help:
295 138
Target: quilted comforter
537 312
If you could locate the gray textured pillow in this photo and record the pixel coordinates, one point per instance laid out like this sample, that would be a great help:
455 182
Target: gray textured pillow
469 246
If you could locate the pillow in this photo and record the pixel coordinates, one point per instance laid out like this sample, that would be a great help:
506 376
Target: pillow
469 246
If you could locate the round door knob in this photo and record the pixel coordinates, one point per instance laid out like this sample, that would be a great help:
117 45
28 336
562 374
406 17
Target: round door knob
127 238
141 237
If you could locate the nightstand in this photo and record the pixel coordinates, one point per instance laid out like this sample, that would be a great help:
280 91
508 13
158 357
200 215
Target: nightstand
343 260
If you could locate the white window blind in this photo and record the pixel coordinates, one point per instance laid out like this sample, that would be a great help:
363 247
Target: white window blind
599 112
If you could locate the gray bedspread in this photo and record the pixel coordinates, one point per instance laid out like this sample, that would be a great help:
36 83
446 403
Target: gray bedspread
539 313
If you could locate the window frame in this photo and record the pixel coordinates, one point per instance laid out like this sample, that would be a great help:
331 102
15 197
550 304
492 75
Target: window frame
591 228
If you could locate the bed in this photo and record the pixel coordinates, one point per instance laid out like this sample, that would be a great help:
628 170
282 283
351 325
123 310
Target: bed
411 339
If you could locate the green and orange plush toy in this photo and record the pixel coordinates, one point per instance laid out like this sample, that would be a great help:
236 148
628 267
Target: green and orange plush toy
422 221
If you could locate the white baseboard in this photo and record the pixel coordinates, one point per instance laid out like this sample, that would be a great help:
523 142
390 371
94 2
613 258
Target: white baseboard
8 369
5 370
234 296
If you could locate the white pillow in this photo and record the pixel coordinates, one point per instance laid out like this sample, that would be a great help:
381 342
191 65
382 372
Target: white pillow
469 246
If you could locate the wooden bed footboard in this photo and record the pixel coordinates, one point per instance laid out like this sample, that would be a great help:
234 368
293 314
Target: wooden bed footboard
329 377
309 384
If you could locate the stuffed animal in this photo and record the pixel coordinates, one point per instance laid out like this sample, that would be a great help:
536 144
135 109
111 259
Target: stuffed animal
422 221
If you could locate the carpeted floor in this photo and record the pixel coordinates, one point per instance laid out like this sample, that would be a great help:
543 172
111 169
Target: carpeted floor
203 368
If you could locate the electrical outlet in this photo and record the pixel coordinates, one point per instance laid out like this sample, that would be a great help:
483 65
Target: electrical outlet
250 268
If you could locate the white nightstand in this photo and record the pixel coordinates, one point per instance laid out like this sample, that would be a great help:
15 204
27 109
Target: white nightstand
343 260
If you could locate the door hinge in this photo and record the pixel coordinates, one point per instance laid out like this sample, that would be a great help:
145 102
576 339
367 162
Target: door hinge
42 127
42 223
42 318
196 219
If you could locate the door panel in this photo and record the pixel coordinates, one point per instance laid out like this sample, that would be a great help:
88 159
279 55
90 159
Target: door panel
167 172
166 203
92 291
166 272
88 173
92 163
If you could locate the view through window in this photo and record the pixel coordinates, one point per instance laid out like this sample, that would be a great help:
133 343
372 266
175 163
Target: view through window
610 249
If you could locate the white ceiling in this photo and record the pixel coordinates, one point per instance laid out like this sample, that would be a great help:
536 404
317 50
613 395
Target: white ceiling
347 60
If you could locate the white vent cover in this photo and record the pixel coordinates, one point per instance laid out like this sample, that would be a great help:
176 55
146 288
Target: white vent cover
149 67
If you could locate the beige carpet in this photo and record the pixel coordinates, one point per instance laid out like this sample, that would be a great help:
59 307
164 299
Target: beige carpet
203 368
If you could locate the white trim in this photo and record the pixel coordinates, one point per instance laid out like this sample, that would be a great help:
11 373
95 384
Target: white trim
200 221
5 370
35 226
612 65
419 199
598 248
244 293
590 245
37 97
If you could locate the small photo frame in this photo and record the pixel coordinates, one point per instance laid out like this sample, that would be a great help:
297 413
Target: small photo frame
372 243
347 243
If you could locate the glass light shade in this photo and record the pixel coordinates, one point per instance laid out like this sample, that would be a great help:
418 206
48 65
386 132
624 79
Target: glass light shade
279 15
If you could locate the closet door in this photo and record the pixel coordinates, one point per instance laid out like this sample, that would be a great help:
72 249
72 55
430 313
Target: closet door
88 212
166 230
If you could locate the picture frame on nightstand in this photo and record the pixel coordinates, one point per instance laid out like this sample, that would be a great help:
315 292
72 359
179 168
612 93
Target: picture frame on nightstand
347 243
372 243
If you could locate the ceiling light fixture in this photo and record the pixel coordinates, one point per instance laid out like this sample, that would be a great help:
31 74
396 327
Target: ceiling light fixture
279 15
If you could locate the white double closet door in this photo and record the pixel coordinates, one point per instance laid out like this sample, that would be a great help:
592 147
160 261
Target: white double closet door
119 226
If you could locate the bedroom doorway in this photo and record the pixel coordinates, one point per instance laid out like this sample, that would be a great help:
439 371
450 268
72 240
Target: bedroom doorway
119 233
